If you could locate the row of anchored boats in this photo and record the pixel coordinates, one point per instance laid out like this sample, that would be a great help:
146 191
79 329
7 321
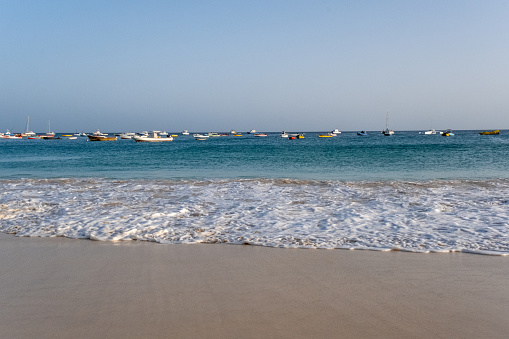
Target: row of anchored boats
158 136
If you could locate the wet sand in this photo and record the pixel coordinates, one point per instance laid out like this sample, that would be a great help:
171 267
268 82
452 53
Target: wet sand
65 288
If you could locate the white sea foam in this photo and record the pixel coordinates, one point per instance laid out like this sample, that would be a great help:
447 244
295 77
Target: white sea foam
432 216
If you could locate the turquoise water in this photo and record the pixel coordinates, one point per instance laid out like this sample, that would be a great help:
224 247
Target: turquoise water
347 157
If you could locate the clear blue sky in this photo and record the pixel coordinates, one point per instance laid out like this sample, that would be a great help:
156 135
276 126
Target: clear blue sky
269 65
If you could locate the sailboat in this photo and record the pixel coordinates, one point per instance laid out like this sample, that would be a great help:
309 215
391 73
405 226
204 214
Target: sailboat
387 131
27 131
49 129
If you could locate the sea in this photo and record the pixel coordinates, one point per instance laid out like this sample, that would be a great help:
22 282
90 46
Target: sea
405 192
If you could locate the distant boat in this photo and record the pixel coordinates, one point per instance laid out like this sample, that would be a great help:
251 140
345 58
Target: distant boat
185 132
328 135
428 132
50 133
260 135
363 133
101 138
200 135
253 131
490 132
99 134
387 131
284 134
447 133
154 137
27 131
336 131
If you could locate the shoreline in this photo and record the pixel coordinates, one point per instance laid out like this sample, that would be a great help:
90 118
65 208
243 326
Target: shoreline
59 287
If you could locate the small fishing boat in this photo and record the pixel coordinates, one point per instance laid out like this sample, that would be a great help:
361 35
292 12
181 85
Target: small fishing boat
101 138
17 136
49 137
200 139
260 135
213 134
253 131
284 134
127 136
490 132
328 135
185 132
300 136
153 137
447 133
362 133
429 132
336 131
237 135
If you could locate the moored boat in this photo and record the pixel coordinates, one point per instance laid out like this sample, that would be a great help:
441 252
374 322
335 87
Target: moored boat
153 137
362 133
490 132
101 138
447 133
260 135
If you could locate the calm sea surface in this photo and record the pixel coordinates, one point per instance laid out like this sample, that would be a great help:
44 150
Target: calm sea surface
347 157
421 193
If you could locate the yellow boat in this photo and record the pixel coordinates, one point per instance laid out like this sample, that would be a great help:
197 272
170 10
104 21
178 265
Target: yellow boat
324 136
490 132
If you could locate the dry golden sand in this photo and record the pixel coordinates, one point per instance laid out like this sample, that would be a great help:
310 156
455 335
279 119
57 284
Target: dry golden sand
64 288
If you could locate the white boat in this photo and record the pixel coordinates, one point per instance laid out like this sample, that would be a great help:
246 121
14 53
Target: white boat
387 131
127 135
9 135
233 132
153 137
213 134
50 133
99 134
200 135
336 131
428 132
284 134
253 131
185 132
27 131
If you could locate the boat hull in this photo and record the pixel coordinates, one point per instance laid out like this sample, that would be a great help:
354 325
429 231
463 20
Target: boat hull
101 138
490 132
145 139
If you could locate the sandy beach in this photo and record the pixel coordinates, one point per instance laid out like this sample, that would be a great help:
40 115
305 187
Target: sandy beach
65 288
